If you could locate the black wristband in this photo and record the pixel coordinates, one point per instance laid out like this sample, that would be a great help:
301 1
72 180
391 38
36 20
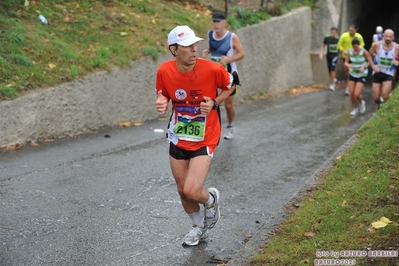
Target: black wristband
215 105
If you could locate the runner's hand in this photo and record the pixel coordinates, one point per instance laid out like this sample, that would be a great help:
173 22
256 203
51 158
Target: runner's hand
205 53
376 68
224 60
206 105
161 103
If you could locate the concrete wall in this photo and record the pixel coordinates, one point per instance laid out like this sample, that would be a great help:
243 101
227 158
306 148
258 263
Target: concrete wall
327 14
277 58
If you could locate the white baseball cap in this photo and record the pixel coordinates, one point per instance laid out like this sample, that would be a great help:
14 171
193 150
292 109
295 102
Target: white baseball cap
183 35
379 29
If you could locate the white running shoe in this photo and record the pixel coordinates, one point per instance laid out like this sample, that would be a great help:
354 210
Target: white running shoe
363 107
212 212
346 91
230 133
331 87
195 235
355 112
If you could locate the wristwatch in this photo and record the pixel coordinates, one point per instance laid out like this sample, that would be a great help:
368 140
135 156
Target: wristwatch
215 105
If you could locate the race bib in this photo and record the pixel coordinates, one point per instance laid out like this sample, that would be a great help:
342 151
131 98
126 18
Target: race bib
217 60
333 48
386 62
190 128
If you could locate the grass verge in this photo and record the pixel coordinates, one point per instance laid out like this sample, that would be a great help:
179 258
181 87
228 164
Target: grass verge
360 189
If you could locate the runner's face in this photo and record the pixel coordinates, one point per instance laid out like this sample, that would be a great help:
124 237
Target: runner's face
356 47
352 31
187 55
333 33
218 25
388 37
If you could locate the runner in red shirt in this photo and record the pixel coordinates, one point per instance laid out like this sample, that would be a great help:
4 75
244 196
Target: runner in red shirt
192 84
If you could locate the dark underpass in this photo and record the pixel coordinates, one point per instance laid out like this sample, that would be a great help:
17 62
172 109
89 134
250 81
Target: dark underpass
368 14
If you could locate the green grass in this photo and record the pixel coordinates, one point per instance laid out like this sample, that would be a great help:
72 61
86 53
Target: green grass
361 187
87 36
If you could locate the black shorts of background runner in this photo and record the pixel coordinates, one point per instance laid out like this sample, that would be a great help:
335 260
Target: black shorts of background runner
332 63
361 79
381 77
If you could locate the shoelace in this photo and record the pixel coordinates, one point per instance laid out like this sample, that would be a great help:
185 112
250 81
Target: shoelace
210 212
195 231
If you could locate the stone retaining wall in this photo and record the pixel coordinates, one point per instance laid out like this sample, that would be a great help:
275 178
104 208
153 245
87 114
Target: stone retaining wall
277 58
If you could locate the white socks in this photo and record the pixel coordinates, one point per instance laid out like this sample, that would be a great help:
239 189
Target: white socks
210 201
196 218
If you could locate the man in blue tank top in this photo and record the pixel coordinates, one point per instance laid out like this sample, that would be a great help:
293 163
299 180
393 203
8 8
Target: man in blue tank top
225 48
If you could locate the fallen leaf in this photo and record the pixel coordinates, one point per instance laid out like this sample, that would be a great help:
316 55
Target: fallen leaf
153 21
137 124
26 3
123 33
309 234
13 147
384 221
343 203
378 224
125 124
51 65
40 191
369 171
32 143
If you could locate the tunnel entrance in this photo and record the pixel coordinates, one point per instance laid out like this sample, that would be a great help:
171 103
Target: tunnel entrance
368 14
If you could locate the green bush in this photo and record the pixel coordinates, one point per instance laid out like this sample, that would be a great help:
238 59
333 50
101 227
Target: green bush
240 17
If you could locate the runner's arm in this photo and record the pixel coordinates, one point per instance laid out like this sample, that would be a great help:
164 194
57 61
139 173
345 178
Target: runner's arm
360 37
323 46
372 52
237 46
368 58
340 44
396 61
205 53
347 59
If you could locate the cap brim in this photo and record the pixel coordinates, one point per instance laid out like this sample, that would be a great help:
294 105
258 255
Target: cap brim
190 41
217 19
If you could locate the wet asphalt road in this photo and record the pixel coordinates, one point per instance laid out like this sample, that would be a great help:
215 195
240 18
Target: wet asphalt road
92 200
